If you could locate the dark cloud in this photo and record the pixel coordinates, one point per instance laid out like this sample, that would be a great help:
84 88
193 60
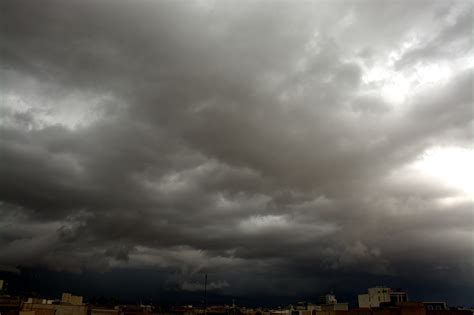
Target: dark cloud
274 146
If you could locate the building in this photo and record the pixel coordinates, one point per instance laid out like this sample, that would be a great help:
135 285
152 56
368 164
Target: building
9 305
398 295
374 297
301 308
402 308
39 312
327 299
137 309
328 303
104 311
405 308
335 307
53 309
68 298
378 296
435 306
40 301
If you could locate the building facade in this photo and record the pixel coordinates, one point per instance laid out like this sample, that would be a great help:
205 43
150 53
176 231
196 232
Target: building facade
56 309
68 298
327 299
378 296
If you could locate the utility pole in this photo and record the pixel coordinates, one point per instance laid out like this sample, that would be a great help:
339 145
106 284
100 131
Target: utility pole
205 294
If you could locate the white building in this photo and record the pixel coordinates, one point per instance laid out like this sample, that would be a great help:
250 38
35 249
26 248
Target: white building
376 296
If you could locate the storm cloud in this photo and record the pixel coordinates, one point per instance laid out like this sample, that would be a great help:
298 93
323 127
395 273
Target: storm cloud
289 145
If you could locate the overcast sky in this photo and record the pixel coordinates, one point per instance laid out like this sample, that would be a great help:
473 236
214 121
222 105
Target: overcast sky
283 147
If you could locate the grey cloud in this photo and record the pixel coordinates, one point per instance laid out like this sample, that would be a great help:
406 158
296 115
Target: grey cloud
182 137
450 41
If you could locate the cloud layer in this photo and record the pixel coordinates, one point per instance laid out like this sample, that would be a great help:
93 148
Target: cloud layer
278 146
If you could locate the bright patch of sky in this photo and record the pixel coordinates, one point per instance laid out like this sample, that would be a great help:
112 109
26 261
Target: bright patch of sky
450 165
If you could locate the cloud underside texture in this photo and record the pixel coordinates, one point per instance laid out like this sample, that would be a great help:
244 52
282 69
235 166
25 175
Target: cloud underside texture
246 139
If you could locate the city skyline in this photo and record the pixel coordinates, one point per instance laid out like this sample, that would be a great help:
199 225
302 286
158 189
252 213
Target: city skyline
377 299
